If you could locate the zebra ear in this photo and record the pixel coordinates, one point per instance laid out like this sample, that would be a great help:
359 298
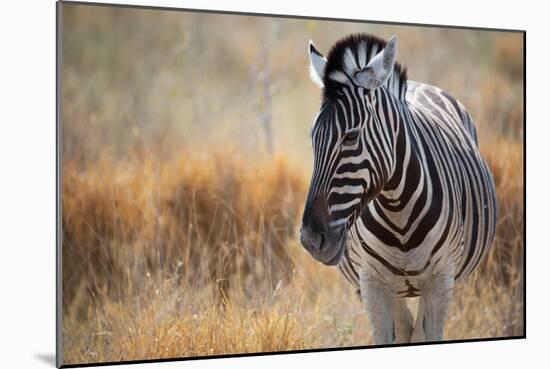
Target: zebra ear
317 63
377 72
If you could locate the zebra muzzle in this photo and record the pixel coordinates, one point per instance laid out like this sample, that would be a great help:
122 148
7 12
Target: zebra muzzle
325 246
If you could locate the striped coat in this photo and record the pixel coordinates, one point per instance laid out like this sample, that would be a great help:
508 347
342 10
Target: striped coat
448 201
400 198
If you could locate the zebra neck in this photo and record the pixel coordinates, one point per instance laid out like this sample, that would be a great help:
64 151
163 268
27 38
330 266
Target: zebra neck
408 195
407 180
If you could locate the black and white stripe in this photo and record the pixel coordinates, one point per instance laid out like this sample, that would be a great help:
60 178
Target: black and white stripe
398 166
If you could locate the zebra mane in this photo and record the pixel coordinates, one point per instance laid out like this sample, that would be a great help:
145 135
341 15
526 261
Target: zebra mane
358 49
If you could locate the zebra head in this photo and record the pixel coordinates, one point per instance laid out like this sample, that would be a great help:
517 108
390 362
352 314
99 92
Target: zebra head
352 145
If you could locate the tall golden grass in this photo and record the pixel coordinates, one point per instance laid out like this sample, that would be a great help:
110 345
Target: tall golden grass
199 256
202 219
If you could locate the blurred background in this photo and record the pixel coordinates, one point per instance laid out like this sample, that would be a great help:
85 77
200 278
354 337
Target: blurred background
186 158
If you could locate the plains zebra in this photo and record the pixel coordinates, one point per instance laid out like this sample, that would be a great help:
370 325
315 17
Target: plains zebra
400 197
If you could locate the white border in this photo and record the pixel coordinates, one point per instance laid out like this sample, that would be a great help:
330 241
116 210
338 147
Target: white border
27 164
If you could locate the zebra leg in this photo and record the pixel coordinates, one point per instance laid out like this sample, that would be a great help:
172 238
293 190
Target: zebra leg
403 321
432 310
378 302
418 334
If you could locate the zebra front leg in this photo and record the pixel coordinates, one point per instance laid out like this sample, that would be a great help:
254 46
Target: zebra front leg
432 309
403 321
418 334
378 302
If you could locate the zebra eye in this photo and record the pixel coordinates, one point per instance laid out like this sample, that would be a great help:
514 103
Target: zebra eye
351 137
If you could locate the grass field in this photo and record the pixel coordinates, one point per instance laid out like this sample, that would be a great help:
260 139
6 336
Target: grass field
181 210
201 258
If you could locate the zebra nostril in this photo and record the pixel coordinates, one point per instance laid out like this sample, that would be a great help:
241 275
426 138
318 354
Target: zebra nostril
322 239
312 241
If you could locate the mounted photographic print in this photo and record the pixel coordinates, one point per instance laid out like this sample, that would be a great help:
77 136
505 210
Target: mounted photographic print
239 184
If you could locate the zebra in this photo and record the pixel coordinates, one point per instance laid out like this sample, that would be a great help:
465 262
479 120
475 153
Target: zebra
400 198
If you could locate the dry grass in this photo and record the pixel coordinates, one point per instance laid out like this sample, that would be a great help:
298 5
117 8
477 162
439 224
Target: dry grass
184 258
203 219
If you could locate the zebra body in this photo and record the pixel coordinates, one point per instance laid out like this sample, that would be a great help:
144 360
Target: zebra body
400 198
403 264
